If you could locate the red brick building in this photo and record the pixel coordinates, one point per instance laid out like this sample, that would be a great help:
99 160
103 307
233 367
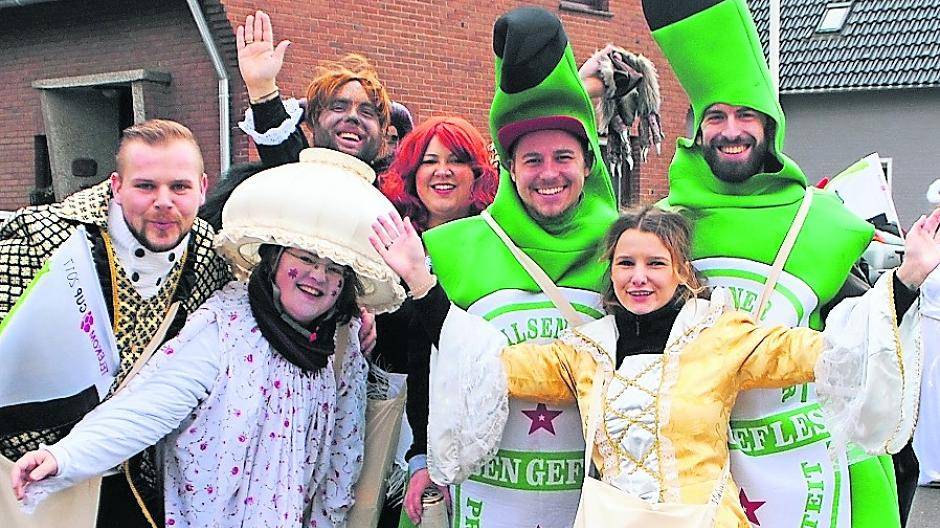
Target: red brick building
84 69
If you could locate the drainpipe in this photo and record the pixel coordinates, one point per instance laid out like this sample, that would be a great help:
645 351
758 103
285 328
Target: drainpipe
225 142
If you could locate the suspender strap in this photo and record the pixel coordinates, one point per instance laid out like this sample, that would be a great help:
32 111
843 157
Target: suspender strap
537 273
152 346
783 253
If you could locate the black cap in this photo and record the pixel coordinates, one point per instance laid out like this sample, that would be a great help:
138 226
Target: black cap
530 41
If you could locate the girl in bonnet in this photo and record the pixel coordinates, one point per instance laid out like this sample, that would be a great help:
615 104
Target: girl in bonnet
260 401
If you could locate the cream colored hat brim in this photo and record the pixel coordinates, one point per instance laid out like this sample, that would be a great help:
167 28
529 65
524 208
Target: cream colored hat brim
324 204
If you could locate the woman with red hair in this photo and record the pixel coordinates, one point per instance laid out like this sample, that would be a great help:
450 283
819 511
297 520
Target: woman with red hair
441 173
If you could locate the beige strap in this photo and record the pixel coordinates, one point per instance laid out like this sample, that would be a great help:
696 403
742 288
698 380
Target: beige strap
538 275
152 346
783 253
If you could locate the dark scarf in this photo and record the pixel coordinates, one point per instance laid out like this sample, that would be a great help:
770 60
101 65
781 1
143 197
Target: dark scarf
647 333
307 349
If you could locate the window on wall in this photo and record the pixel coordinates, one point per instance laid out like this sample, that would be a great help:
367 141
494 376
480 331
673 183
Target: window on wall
587 6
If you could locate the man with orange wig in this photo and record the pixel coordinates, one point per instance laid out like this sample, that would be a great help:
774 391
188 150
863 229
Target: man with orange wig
347 106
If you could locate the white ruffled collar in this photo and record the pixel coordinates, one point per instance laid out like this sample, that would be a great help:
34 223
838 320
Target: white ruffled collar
147 269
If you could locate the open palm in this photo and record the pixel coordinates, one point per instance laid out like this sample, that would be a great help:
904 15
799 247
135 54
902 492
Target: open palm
922 247
259 61
400 247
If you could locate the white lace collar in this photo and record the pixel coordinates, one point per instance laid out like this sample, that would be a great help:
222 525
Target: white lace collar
146 269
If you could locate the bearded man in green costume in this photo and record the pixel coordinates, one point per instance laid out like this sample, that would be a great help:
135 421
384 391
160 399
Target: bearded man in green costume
742 194
555 202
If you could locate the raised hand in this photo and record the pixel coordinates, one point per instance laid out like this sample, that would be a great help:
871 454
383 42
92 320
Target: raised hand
32 467
259 61
921 250
400 247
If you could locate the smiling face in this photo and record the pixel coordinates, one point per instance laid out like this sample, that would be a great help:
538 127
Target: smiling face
643 273
443 182
159 188
349 123
309 285
733 141
548 168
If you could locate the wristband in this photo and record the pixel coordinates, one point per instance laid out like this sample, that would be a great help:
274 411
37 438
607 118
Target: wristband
266 97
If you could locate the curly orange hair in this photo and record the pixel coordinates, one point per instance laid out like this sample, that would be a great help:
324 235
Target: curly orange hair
330 76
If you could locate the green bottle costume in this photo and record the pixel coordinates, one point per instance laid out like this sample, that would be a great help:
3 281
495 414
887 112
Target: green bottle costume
536 77
778 443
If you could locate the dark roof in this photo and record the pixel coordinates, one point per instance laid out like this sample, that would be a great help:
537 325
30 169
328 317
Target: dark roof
884 44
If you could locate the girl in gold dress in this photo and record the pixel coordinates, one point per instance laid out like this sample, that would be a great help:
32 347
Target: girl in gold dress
655 380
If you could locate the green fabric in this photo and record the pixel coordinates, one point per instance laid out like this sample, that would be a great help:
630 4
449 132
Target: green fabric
716 55
874 494
731 70
755 234
472 262
728 70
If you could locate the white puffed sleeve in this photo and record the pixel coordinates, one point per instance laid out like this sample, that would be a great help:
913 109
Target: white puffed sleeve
469 398
927 433
335 495
868 377
172 383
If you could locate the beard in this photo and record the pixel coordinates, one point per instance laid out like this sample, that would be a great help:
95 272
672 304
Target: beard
326 138
157 247
735 171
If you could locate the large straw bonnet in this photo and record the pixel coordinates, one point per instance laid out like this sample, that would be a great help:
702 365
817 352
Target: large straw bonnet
324 204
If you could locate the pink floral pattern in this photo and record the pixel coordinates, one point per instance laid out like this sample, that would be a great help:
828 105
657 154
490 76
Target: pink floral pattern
271 445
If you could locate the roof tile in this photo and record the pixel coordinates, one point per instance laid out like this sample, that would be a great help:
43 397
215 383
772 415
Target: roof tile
884 44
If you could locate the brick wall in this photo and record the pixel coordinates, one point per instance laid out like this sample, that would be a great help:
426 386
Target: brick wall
436 57
64 39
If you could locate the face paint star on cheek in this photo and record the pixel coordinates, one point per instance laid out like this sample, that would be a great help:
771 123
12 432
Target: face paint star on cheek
292 273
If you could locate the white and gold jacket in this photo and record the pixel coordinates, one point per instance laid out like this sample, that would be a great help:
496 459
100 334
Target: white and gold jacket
664 433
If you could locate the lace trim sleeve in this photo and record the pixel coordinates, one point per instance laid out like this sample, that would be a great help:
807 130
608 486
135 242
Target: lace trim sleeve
278 135
865 376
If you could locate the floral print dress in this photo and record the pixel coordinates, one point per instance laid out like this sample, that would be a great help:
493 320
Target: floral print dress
250 438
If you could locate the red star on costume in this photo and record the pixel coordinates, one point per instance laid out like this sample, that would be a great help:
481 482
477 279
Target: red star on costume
541 418
750 507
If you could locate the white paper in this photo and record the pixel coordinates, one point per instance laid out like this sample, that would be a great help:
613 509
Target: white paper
57 339
864 190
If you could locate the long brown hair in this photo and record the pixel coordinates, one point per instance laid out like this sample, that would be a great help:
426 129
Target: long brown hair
672 229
